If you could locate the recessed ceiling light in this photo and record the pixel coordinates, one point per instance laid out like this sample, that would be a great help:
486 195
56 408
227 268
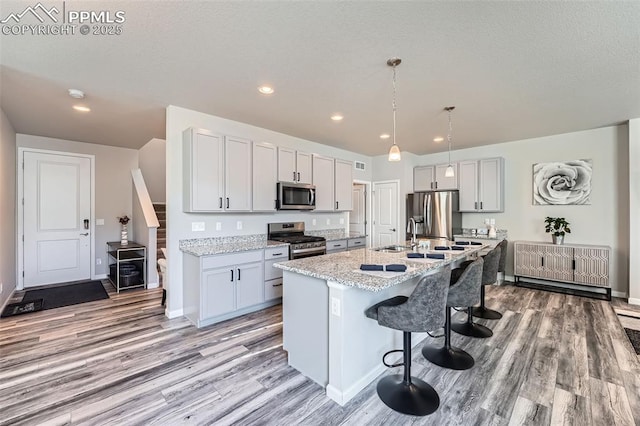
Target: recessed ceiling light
265 90
337 117
438 139
385 136
77 94
81 108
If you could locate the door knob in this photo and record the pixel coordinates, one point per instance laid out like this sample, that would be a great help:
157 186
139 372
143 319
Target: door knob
85 234
393 229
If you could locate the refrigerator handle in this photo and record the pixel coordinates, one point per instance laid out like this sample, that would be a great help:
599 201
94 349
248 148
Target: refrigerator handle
427 214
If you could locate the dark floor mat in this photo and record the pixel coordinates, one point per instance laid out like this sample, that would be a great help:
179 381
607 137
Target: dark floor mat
13 309
72 294
634 337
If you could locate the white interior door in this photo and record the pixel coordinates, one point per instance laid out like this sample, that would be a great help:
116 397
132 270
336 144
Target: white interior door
357 217
57 210
385 209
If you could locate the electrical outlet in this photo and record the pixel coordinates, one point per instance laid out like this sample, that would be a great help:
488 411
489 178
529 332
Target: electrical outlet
335 306
98 261
328 221
341 221
313 222
218 226
239 225
197 226
1 287
99 222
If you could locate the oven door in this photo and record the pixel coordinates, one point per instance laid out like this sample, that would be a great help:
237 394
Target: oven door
292 196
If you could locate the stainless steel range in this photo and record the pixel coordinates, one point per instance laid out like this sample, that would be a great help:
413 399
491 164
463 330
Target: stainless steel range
300 245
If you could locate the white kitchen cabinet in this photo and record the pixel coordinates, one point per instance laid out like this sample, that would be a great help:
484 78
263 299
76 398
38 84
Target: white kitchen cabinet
219 287
336 246
356 243
265 176
272 275
432 178
481 185
203 164
343 185
238 183
323 179
568 263
294 166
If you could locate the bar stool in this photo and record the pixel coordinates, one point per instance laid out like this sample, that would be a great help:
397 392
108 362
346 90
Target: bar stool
490 277
421 312
489 273
464 291
504 244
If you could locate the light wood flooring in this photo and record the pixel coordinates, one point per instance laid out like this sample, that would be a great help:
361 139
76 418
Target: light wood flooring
554 359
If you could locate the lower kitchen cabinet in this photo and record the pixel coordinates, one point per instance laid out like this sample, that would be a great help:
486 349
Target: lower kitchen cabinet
336 246
219 287
272 275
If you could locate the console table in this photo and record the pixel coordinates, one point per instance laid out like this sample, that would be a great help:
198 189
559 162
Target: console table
578 264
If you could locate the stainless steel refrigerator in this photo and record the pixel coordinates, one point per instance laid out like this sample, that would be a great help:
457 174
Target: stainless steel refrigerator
436 214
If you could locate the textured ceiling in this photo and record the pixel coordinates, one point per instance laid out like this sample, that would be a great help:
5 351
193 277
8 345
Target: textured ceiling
514 70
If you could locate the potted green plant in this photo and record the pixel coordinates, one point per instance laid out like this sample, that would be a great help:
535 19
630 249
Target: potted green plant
558 226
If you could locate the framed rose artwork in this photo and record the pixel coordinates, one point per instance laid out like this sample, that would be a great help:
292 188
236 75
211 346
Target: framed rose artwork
562 183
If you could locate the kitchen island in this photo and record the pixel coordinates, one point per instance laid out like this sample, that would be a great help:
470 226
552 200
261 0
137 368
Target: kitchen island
325 332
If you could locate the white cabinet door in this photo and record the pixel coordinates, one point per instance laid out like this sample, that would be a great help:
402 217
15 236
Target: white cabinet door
468 181
344 185
491 185
265 176
323 175
591 266
237 174
424 178
443 182
203 164
304 167
249 284
287 165
218 292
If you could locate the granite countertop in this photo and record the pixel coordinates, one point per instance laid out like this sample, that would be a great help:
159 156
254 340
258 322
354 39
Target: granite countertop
335 234
222 245
344 267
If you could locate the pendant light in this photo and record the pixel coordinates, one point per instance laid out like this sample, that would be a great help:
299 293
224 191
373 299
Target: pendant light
394 151
449 172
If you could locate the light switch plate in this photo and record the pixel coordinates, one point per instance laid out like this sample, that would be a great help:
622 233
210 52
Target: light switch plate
313 222
335 306
99 222
328 221
218 226
239 225
342 221
98 261
197 226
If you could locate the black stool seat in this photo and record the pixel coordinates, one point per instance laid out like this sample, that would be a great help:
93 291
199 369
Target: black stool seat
422 311
464 291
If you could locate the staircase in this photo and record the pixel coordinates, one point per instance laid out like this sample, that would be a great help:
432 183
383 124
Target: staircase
161 212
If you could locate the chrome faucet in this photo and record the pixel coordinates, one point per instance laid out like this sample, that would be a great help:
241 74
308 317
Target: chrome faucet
414 240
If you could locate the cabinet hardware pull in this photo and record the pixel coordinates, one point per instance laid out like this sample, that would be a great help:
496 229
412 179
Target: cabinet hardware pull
238 274
336 205
231 275
436 185
573 264
336 245
298 176
294 176
277 285
542 260
85 234
220 202
227 202
475 205
480 205
276 254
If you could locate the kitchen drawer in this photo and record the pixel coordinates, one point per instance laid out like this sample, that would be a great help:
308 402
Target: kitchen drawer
337 245
276 253
356 243
270 272
222 260
272 289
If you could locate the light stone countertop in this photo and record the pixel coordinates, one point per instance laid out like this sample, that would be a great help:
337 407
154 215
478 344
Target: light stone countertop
343 267
222 245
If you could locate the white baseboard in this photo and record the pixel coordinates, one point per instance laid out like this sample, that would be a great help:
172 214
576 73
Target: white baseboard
634 301
342 397
173 314
100 277
621 294
153 285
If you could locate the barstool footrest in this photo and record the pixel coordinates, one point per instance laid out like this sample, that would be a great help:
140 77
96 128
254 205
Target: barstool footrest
389 353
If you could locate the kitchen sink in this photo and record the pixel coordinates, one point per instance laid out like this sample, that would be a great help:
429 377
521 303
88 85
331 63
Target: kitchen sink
393 248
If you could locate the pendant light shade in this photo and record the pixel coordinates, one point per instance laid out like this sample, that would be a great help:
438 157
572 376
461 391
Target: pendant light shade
394 151
449 172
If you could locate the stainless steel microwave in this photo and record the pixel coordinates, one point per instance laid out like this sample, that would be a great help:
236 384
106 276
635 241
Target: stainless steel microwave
296 196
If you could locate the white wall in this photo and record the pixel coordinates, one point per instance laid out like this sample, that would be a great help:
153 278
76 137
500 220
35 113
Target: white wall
634 211
152 163
603 222
113 186
7 208
179 223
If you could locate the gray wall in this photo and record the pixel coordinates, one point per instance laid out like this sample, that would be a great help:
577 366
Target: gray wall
152 160
7 208
113 186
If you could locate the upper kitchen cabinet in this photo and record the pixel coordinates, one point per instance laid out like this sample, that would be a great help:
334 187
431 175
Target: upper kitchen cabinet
482 185
294 166
217 172
343 184
323 179
265 176
203 157
432 178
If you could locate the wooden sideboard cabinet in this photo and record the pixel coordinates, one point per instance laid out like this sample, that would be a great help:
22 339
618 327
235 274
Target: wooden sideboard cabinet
584 265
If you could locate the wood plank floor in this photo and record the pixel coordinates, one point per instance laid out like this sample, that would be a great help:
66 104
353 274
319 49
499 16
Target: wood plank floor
554 359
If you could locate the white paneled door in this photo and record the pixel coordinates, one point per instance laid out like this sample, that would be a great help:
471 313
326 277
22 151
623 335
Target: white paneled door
386 229
57 210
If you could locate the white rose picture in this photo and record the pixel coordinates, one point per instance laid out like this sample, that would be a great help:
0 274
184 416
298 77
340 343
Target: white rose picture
562 183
